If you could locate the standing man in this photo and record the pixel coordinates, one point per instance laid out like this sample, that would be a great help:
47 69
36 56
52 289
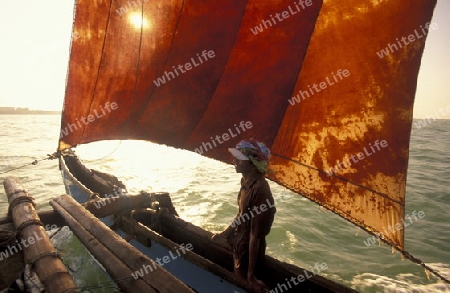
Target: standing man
246 234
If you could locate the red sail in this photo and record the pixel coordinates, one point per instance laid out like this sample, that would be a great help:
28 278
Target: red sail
324 86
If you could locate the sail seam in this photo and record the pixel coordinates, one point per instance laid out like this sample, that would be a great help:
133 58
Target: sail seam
99 65
220 78
138 60
297 81
341 178
143 108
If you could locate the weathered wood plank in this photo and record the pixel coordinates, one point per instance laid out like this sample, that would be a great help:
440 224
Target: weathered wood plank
49 218
159 278
103 207
34 241
133 227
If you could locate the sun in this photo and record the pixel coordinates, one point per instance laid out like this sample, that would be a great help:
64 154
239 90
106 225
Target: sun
138 21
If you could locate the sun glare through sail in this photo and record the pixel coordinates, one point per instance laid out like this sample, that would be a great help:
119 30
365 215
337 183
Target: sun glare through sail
138 21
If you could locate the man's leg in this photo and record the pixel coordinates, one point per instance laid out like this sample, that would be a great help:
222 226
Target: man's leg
240 261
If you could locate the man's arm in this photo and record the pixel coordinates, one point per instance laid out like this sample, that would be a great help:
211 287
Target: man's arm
227 232
253 254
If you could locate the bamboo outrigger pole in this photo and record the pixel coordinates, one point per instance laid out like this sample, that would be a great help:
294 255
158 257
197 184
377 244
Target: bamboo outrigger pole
33 240
115 252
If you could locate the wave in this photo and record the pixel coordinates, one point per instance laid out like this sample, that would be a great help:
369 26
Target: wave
402 283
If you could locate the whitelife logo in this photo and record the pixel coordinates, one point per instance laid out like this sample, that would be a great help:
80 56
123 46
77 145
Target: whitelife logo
360 155
90 118
165 260
281 287
10 250
205 56
206 146
430 118
322 85
108 198
265 24
246 217
396 227
130 4
411 38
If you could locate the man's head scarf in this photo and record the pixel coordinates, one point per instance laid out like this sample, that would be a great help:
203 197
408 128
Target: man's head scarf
253 150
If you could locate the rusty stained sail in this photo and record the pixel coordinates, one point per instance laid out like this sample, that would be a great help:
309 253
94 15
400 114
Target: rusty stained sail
328 49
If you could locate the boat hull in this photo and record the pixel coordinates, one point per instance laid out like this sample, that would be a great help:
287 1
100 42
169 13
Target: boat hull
275 273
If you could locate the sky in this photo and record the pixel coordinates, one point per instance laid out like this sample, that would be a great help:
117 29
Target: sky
35 37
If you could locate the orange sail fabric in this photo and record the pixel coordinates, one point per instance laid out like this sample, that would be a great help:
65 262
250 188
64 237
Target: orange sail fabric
329 87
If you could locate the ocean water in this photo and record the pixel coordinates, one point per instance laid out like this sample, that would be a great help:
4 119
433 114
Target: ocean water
204 193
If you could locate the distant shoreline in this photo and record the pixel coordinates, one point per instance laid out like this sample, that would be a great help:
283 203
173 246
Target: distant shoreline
26 111
33 113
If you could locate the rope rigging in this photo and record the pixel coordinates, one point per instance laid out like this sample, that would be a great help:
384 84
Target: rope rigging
427 268
35 162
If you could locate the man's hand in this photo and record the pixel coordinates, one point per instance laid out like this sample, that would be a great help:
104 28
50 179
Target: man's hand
217 235
224 234
257 285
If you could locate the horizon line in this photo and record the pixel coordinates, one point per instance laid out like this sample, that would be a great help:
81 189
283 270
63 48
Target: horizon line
56 110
